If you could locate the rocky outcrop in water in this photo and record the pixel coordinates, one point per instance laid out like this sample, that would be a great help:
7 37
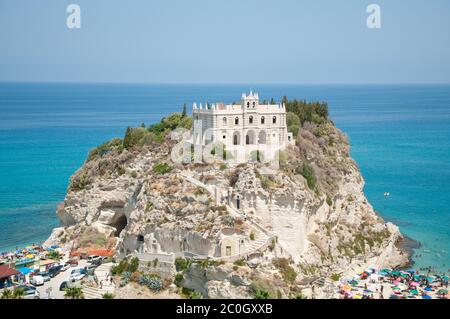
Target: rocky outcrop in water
308 218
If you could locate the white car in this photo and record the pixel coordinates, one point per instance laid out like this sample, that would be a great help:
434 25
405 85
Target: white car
37 280
29 292
64 267
76 275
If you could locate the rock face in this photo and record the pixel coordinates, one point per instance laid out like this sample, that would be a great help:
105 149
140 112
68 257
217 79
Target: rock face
312 208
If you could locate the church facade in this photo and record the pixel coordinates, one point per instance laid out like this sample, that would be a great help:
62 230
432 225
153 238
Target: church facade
243 127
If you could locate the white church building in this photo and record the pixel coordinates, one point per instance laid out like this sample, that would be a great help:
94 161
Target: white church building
243 128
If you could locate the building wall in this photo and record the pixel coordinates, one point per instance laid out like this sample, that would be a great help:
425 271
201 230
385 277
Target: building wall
221 123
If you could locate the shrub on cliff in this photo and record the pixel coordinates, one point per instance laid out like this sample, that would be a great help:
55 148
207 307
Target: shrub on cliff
162 168
308 173
152 281
288 273
115 144
261 294
155 133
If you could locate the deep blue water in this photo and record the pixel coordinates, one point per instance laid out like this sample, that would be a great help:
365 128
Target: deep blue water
400 138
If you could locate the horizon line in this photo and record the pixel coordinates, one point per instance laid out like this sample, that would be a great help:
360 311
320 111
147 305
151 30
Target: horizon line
225 83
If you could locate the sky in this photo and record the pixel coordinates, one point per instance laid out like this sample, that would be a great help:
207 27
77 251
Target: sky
233 41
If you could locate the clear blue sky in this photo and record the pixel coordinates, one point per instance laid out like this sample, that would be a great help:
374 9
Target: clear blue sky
233 41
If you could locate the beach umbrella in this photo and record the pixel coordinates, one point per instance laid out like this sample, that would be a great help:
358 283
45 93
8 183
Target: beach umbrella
426 297
353 282
446 278
414 292
346 288
414 284
25 270
357 297
428 289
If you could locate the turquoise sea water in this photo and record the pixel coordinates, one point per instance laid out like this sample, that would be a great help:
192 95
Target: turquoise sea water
400 138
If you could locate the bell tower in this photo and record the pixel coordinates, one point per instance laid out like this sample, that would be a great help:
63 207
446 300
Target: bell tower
250 102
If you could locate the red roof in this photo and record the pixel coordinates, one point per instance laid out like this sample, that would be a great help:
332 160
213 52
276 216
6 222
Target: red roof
102 253
6 272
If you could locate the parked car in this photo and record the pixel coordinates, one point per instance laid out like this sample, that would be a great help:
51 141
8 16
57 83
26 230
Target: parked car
77 274
89 270
65 266
93 258
63 286
45 275
37 280
99 261
72 262
55 270
30 292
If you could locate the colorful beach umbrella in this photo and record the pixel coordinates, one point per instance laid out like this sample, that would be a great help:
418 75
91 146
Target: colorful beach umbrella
442 291
25 270
414 292
426 297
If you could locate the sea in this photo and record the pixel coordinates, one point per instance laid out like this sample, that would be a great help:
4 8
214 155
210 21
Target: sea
400 138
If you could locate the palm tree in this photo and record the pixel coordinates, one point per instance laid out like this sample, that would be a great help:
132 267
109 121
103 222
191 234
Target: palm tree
18 293
73 293
54 255
7 294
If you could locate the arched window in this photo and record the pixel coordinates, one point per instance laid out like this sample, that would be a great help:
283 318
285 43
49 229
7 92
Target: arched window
254 104
274 120
250 120
248 104
263 120
235 139
224 120
236 121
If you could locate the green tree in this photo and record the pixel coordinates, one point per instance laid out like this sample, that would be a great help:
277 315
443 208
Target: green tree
7 294
184 113
134 265
292 119
73 293
55 255
18 293
108 295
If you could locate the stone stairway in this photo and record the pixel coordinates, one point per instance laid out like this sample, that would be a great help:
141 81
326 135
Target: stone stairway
258 242
262 235
101 272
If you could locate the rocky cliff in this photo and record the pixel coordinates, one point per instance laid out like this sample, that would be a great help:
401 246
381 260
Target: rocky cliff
308 218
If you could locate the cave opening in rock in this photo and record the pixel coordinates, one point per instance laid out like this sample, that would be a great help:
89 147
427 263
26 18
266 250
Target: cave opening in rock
120 224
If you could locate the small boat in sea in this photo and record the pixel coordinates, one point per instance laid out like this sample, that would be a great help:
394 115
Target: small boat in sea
387 194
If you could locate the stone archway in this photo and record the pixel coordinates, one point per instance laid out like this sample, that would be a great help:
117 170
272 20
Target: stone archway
236 138
250 138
